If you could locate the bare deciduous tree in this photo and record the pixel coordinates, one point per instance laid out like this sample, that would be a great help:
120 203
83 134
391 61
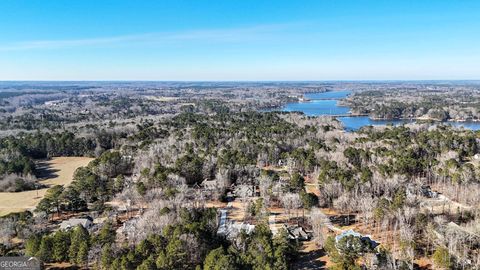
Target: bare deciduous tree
319 222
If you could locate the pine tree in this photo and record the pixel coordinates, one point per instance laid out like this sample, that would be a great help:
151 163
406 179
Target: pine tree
45 251
82 255
106 258
217 259
283 249
33 245
53 195
61 244
106 235
79 236
148 264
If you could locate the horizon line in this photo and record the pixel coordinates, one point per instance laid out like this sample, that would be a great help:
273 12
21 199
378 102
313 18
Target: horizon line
326 80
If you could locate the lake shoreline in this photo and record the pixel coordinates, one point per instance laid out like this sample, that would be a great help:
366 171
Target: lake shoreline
329 104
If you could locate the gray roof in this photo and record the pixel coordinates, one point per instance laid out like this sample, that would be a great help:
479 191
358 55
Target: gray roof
84 222
209 184
297 232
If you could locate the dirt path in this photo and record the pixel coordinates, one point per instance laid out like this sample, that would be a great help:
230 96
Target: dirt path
60 172
236 211
332 227
442 204
272 225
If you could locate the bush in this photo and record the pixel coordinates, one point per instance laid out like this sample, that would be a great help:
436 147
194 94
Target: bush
17 183
442 258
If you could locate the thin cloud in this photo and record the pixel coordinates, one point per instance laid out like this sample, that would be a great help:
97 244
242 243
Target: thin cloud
211 35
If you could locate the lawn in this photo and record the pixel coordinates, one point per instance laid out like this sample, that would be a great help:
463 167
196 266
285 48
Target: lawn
61 171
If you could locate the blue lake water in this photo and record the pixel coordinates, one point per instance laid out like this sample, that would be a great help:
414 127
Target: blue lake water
327 104
356 122
317 107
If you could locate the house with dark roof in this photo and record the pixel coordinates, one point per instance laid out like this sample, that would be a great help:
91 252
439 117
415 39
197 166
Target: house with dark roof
297 233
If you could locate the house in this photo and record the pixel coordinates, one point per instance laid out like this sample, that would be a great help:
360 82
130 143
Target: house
365 238
234 229
347 233
243 191
230 229
297 233
86 223
209 184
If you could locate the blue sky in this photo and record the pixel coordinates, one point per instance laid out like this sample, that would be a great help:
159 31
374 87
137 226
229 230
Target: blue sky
239 40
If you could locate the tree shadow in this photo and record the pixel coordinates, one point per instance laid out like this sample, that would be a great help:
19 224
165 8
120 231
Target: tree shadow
343 220
44 170
310 260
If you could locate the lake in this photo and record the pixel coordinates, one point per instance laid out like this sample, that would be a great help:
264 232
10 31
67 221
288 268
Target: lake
326 103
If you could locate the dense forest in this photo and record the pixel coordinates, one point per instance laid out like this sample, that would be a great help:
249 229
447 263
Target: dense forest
284 186
454 105
18 169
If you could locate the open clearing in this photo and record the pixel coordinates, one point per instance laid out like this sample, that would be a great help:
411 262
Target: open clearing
61 173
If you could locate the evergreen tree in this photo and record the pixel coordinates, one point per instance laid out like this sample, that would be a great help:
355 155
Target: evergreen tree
350 248
125 263
284 250
61 244
149 264
106 235
32 245
72 201
45 250
115 264
296 183
53 196
45 206
82 255
190 167
78 237
218 259
260 252
106 257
